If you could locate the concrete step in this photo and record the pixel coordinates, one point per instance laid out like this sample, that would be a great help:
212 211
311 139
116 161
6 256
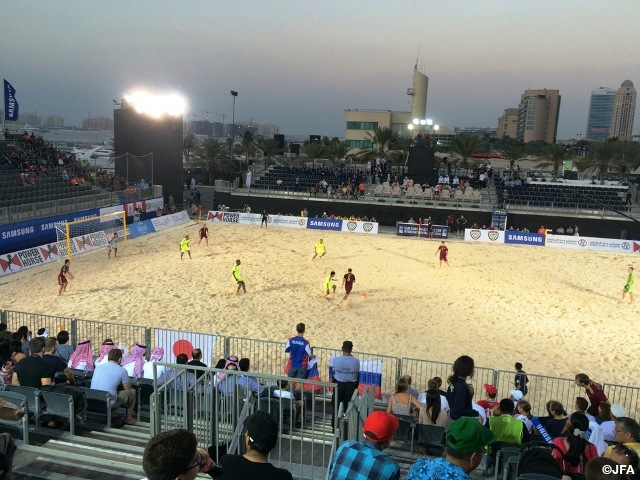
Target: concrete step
79 458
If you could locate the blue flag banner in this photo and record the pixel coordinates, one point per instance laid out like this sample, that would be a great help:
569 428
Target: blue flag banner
10 103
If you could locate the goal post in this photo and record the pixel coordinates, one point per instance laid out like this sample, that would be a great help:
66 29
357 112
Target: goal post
91 233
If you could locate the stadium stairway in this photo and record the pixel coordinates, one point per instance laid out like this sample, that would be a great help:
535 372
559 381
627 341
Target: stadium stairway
107 454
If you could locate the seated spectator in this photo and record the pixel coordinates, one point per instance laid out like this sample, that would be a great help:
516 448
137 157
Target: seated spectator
626 432
32 371
107 346
175 454
523 412
196 361
134 362
256 388
489 402
178 378
56 364
261 436
624 455
411 391
596 467
466 440
432 413
156 356
576 451
64 350
112 378
15 347
615 411
560 230
515 396
6 372
555 422
507 429
82 357
227 383
402 403
604 413
581 406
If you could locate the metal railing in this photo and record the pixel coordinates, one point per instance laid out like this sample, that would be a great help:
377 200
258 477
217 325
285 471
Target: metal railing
360 406
269 358
215 405
423 370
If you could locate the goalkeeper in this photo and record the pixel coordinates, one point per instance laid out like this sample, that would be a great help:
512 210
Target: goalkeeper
628 288
184 247
113 245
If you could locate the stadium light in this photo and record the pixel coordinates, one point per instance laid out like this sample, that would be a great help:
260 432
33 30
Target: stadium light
156 105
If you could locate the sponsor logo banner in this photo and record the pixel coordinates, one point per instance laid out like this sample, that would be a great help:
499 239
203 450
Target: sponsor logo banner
593 243
485 236
168 221
414 230
528 238
16 261
356 226
17 236
325 224
256 219
140 228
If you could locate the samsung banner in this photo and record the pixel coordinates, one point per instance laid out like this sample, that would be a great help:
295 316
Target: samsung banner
522 238
11 107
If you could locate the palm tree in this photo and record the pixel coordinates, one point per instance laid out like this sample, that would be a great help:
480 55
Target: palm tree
314 150
336 149
603 158
513 150
553 156
189 143
465 146
384 143
248 146
214 157
269 149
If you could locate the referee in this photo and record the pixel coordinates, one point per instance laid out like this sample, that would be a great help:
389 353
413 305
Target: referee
345 370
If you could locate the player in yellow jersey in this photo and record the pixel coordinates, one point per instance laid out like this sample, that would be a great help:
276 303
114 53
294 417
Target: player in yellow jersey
628 288
238 278
328 283
184 246
321 249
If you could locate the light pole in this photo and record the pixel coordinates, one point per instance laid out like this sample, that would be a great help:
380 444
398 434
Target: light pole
233 128
423 122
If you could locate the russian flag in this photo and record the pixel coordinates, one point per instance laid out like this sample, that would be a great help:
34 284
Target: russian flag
370 374
312 374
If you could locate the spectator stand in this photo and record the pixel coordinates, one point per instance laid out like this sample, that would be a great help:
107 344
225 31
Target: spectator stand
270 358
214 406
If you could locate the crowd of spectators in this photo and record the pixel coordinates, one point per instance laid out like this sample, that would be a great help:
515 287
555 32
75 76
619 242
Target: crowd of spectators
32 159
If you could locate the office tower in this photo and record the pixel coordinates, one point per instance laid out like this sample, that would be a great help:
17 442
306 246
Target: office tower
538 115
600 113
623 111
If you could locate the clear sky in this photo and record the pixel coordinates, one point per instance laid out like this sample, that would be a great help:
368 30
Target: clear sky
300 64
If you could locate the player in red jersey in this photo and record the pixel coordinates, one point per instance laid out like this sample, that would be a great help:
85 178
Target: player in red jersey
204 234
62 277
443 251
347 283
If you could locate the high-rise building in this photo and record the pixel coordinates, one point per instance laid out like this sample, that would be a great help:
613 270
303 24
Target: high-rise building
538 114
508 123
600 113
623 111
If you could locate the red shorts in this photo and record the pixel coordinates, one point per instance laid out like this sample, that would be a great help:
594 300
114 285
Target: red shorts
348 287
203 235
62 279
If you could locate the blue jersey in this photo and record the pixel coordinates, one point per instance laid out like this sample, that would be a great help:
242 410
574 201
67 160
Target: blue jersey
299 349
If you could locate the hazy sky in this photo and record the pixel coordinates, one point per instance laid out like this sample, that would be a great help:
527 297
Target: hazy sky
300 64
